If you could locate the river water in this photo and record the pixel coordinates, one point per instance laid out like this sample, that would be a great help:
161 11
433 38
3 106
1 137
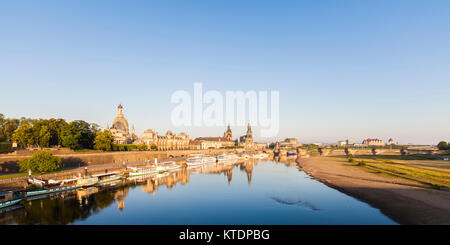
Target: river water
254 192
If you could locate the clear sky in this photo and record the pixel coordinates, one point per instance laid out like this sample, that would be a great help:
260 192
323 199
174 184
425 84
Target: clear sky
344 69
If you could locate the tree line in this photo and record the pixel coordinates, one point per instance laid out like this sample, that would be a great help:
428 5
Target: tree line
444 145
76 135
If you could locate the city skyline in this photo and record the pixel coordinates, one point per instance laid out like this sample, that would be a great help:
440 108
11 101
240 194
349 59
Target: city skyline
350 71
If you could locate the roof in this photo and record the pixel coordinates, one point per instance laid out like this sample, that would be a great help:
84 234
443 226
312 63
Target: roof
210 138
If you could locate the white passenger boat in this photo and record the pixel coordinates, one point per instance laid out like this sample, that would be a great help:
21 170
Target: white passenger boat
200 160
52 186
261 156
143 171
167 166
108 177
227 158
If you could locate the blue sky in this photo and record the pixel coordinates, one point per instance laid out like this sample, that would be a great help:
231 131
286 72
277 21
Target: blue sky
344 69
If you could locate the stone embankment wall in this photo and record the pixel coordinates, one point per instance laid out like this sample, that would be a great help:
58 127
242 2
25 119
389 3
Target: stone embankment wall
9 162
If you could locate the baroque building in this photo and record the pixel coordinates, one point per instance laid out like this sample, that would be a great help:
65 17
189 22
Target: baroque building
169 141
214 142
121 133
120 129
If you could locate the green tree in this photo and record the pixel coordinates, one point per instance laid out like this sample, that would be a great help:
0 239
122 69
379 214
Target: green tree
442 145
5 147
70 137
41 161
2 133
103 141
7 127
55 126
87 133
153 147
44 137
23 135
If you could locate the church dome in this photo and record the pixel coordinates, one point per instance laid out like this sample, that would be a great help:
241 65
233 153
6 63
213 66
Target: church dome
120 123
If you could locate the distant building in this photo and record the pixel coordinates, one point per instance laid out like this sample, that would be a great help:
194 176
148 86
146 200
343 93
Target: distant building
391 142
216 142
373 142
347 142
290 143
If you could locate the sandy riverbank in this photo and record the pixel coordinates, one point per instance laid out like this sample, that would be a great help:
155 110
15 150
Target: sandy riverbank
406 202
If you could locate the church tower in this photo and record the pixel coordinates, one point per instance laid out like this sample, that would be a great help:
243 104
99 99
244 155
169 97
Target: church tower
228 135
249 137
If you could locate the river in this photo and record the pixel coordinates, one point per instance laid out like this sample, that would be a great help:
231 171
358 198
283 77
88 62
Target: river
254 192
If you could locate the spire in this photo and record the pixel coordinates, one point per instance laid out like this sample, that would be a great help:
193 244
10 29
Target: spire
120 111
249 130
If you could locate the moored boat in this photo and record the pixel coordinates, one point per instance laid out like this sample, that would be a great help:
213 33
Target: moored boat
47 190
200 160
143 171
261 156
167 166
108 177
87 181
227 158
291 153
9 198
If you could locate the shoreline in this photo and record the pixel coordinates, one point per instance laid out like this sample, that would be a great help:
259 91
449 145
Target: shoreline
401 200
16 183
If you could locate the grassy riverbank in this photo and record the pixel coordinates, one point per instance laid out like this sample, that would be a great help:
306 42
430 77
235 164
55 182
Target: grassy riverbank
408 190
421 169
18 175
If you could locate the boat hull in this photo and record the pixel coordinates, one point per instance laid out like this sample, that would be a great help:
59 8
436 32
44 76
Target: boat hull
51 190
134 174
117 177
9 203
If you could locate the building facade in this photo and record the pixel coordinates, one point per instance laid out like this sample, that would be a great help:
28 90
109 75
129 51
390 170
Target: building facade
216 142
373 142
169 141
289 143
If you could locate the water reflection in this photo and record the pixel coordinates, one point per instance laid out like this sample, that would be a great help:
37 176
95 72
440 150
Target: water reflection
205 200
296 202
79 204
